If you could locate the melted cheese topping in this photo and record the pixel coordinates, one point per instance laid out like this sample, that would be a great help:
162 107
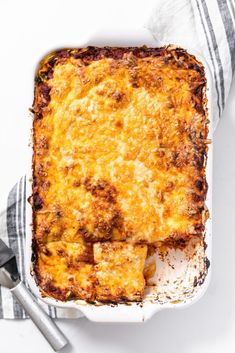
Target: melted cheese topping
64 271
119 271
119 155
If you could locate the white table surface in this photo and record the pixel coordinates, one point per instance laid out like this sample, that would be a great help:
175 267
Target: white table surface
209 325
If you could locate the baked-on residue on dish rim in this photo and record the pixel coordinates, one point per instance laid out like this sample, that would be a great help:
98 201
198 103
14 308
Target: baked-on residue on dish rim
129 61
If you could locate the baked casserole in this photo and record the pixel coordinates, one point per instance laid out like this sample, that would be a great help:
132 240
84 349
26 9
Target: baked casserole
120 148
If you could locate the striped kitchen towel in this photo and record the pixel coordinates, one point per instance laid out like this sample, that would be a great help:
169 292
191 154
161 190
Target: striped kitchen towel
208 27
12 232
205 26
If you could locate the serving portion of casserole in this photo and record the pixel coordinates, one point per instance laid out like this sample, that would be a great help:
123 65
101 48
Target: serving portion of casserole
120 146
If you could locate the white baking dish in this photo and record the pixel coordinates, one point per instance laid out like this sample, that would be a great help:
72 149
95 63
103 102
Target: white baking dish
179 271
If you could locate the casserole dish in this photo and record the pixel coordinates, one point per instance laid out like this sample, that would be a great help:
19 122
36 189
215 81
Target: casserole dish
182 274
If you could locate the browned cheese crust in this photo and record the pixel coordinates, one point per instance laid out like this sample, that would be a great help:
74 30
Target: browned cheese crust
120 146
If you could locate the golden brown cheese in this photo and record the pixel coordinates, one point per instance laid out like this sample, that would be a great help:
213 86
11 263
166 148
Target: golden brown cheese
119 271
120 141
65 270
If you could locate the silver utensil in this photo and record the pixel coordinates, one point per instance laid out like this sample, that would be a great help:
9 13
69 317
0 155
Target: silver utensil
9 278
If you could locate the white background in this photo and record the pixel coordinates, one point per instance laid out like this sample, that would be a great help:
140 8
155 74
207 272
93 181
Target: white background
28 29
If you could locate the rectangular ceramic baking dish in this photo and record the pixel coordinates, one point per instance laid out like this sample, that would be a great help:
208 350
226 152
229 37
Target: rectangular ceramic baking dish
182 275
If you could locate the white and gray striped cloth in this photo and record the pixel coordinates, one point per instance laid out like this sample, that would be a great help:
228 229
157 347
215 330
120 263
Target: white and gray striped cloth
207 26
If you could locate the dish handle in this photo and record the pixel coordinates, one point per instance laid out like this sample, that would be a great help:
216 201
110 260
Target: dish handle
122 37
121 313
